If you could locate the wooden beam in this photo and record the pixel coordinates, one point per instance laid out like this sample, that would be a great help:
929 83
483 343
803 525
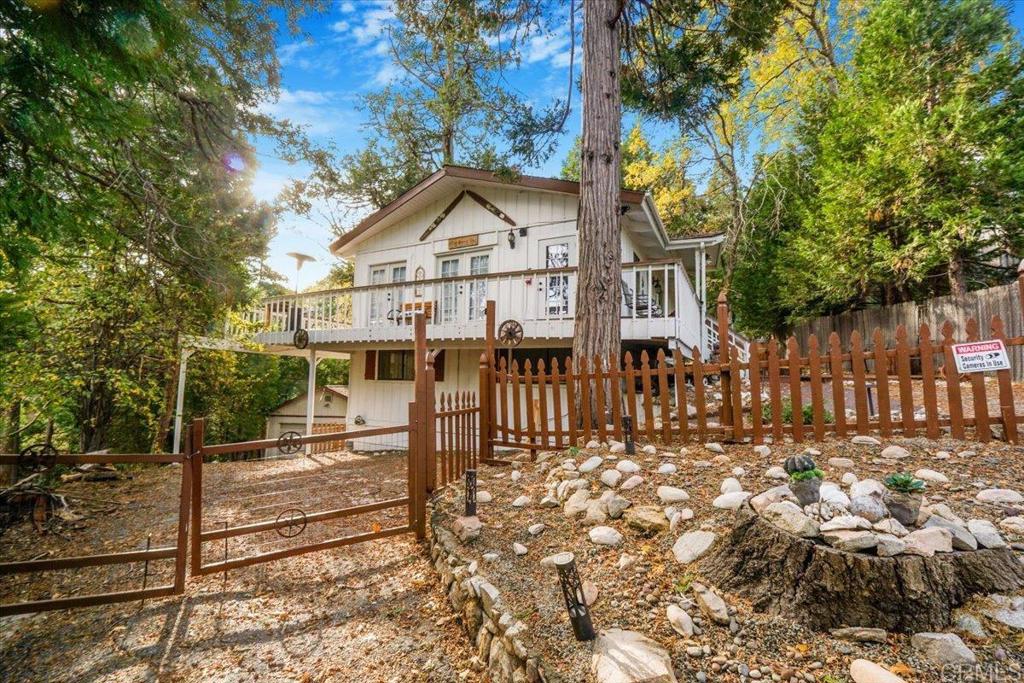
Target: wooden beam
491 207
441 216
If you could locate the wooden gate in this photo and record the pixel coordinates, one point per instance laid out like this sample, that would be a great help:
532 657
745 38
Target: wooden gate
134 566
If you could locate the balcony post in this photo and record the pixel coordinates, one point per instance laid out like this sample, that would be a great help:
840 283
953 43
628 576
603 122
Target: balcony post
310 397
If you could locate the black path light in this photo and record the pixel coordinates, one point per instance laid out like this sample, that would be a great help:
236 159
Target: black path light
470 493
627 429
572 591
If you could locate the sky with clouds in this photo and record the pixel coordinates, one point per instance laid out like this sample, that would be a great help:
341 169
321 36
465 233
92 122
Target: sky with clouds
342 55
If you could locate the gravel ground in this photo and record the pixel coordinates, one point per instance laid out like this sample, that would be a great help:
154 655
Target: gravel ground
636 597
369 612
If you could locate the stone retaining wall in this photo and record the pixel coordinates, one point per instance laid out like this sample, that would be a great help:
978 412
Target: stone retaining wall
495 632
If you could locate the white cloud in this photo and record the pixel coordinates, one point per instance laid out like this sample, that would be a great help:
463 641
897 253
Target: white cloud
374 24
340 26
319 112
347 7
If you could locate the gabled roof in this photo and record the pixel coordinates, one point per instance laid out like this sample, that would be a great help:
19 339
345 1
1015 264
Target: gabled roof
449 178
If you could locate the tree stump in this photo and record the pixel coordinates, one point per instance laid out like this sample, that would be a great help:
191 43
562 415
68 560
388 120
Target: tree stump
824 588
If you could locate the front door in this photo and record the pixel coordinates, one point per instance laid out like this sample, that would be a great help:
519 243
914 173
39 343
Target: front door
557 289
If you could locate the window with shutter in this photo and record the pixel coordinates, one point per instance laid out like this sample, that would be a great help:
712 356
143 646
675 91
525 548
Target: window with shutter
439 366
370 369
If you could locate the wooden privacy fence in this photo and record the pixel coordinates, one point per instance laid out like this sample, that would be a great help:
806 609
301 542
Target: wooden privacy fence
780 390
115 560
1004 301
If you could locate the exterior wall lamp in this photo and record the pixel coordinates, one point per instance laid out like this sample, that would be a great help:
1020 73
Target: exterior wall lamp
512 239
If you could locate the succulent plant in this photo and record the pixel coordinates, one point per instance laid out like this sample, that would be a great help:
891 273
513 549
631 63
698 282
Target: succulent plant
799 463
806 474
903 482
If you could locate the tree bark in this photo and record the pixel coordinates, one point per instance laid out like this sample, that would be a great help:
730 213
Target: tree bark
599 288
12 440
824 588
957 279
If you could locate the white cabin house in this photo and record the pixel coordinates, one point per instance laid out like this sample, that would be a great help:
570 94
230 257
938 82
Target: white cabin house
463 236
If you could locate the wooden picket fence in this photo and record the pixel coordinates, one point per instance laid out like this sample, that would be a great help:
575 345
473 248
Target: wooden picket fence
672 399
457 435
328 446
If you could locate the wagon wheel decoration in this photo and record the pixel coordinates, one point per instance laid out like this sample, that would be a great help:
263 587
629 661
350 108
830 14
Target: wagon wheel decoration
292 521
289 443
301 338
37 457
510 333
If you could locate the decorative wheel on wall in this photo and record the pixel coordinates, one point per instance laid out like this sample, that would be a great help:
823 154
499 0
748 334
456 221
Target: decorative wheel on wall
294 523
510 333
289 443
300 338
37 457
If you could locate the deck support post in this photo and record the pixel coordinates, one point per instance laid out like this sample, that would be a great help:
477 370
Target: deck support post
179 402
311 397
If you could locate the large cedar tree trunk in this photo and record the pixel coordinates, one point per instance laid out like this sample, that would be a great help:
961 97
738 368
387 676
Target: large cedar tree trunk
599 290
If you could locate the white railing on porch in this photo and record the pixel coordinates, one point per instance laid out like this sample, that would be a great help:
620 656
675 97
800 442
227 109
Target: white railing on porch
736 340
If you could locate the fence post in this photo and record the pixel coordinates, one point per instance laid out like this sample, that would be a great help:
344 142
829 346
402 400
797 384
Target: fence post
419 462
184 508
197 430
1020 283
486 398
429 426
723 358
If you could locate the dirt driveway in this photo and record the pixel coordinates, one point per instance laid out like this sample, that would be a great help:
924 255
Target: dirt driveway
369 612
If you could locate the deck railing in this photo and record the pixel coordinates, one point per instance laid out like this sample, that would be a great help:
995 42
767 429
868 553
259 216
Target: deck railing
655 290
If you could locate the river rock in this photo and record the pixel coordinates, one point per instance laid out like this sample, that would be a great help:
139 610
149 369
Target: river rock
1014 525
986 533
519 549
891 526
627 467
851 541
617 505
692 545
869 507
616 447
577 503
731 485
714 447
841 463
630 657
895 452
846 523
831 493
484 496
776 472
632 482
597 513
962 538
1007 611
536 529
927 542
711 605
942 648
776 494
605 535
999 496
867 487
611 478
671 494
521 502
864 440
763 451
591 464
790 518
467 528
849 479
679 620
861 634
931 476
647 519
889 545
649 450
730 501
863 671
667 468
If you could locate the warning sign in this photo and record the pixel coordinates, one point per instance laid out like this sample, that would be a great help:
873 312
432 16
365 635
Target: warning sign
981 356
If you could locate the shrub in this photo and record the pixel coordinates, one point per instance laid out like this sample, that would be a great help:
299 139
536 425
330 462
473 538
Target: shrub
787 413
904 483
807 474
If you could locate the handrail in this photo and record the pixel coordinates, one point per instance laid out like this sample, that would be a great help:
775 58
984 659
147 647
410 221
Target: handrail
457 278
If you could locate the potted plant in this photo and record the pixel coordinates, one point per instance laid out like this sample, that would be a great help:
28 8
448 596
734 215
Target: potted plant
804 479
903 497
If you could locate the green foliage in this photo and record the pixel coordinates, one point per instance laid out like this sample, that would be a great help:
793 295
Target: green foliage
904 482
806 411
901 181
807 474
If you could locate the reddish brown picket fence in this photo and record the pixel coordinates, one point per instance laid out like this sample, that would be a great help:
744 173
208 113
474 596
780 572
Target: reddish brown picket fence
457 434
669 398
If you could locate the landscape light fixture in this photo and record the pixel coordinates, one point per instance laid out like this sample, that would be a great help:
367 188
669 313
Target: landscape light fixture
572 591
470 493
627 430
300 259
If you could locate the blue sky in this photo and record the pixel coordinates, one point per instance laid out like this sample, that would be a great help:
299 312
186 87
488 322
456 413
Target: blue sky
343 55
